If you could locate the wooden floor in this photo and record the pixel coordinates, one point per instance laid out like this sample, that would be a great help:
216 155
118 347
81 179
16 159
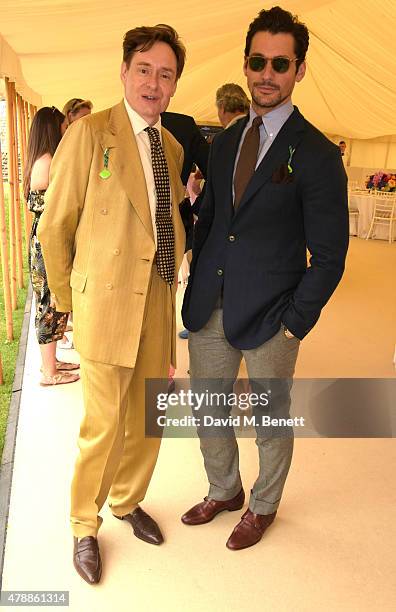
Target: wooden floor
332 544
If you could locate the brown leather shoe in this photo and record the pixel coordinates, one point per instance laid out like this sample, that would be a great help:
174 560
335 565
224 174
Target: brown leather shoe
205 511
144 527
249 530
86 559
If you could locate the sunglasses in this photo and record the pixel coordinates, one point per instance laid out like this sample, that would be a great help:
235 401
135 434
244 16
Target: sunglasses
280 64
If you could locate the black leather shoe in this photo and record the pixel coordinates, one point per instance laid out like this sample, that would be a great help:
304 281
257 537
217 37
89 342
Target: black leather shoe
86 559
144 527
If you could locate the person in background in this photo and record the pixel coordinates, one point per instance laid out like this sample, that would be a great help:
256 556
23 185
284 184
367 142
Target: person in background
344 153
196 153
44 137
189 212
76 108
195 147
232 104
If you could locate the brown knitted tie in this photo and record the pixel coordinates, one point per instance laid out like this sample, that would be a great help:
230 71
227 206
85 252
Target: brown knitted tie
163 218
247 160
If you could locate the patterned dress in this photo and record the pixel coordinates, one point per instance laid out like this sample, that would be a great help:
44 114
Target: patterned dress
50 325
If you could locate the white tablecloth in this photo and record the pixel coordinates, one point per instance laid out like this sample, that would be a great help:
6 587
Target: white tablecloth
365 205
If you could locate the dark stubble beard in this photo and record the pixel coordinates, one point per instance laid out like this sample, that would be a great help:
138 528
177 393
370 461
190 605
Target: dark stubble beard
271 103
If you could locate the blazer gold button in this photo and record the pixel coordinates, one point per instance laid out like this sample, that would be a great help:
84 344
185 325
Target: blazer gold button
109 286
104 211
231 238
220 272
116 251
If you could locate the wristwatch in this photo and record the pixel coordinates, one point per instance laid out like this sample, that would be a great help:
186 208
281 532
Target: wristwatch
288 333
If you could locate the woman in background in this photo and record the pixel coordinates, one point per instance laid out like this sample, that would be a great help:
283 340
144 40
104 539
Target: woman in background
76 108
44 137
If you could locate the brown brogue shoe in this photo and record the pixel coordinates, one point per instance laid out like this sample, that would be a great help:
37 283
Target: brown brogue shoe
144 527
249 530
205 511
86 559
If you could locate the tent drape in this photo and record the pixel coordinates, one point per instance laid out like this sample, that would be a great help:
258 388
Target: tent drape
70 48
10 66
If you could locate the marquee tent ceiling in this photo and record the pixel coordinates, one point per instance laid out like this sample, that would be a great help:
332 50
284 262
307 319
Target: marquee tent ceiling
73 49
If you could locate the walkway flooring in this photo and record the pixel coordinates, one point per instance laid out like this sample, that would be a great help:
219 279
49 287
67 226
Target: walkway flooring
332 545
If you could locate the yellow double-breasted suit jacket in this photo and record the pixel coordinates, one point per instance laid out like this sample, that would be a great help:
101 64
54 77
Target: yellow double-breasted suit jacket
97 235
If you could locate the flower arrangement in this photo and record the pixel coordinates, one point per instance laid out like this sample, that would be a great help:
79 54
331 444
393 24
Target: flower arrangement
381 181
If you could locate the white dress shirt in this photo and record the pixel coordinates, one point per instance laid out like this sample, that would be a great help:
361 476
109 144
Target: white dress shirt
143 142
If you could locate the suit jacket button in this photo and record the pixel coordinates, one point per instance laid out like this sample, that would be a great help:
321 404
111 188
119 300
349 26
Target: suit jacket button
103 211
231 238
220 272
109 286
116 251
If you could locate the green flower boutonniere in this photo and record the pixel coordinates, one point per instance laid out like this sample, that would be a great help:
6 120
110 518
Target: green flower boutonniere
289 161
105 173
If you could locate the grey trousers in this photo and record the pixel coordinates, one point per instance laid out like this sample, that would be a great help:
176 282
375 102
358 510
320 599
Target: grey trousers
214 365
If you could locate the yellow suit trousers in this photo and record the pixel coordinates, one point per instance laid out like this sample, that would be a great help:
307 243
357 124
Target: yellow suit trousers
115 456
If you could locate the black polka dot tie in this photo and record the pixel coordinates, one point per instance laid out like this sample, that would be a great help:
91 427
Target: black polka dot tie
163 216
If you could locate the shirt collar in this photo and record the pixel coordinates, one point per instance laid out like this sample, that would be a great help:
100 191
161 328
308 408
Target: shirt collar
138 123
274 120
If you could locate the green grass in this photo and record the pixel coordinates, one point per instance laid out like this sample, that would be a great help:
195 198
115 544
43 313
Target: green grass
9 350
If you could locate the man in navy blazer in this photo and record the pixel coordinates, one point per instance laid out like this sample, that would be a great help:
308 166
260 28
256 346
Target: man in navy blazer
195 147
251 293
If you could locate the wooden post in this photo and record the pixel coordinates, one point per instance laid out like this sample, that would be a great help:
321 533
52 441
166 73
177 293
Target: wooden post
21 130
11 182
22 151
32 112
4 262
27 121
17 192
31 115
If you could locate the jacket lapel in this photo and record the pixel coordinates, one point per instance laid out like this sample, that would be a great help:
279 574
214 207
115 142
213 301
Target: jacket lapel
124 161
289 135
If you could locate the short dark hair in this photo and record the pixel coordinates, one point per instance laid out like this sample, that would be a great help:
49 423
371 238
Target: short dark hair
144 37
342 142
232 98
275 21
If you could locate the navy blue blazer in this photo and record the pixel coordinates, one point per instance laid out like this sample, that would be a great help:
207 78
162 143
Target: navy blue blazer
195 147
257 256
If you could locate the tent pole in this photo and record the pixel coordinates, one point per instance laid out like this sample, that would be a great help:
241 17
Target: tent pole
22 149
17 193
11 183
4 262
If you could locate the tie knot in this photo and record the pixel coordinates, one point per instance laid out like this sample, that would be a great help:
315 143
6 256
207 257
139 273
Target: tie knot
153 134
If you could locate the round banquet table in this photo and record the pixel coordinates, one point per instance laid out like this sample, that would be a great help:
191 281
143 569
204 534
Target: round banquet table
364 202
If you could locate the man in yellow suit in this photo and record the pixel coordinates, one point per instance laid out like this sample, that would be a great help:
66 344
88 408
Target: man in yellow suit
113 241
